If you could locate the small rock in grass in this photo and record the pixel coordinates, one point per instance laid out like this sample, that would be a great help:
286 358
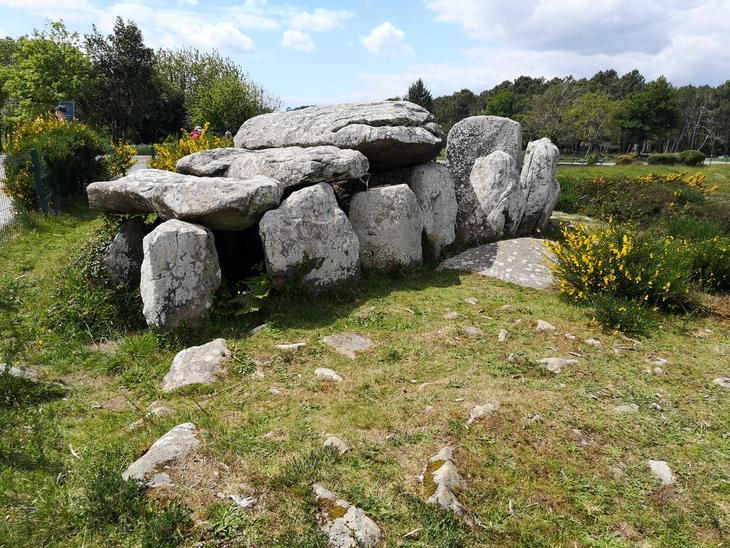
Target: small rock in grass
593 342
196 365
481 411
292 346
348 344
661 362
451 315
472 301
274 391
258 329
20 373
365 312
173 446
570 336
325 374
443 482
556 365
345 525
339 444
626 409
473 332
244 502
503 335
535 417
660 470
159 480
723 382
658 371
544 326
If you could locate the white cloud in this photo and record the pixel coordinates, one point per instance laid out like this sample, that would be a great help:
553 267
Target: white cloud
386 40
295 39
320 20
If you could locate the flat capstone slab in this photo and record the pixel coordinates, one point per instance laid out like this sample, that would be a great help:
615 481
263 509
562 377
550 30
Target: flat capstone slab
521 261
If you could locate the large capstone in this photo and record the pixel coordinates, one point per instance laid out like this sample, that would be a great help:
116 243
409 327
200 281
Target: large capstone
213 162
479 136
220 203
433 186
309 238
387 221
491 204
539 185
297 166
180 273
391 134
122 258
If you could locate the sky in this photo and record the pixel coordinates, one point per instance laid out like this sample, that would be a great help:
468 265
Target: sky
322 51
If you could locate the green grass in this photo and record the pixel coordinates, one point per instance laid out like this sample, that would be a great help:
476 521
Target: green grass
530 482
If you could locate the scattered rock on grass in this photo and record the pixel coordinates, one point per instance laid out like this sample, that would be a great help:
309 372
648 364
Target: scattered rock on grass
626 409
503 335
570 336
451 315
473 332
173 446
20 373
196 365
723 382
544 326
345 525
472 301
337 443
292 346
244 502
259 328
442 482
593 342
660 470
348 344
481 411
325 374
556 365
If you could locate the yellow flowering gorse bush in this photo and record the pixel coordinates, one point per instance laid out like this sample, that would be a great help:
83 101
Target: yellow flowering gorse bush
167 155
697 181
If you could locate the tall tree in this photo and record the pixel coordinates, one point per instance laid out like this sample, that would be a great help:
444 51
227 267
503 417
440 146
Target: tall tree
450 109
122 91
502 102
649 115
593 118
43 69
419 94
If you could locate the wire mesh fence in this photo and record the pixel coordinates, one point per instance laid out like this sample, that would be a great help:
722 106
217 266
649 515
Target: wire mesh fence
7 212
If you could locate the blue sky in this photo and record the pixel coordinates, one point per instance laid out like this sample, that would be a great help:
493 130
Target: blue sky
321 51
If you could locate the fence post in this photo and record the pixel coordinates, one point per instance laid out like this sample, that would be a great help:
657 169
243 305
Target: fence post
40 189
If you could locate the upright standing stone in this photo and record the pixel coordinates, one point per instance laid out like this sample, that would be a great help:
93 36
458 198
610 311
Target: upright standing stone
180 273
539 185
309 237
122 258
491 204
479 136
387 221
433 186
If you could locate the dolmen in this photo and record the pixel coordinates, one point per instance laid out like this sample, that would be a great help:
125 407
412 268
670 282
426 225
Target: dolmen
328 192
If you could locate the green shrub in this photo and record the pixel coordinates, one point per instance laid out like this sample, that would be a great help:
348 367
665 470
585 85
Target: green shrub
692 157
624 160
623 315
710 262
663 159
592 159
112 500
692 229
70 159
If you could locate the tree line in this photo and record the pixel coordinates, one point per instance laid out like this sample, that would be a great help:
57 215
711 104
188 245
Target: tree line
120 85
605 113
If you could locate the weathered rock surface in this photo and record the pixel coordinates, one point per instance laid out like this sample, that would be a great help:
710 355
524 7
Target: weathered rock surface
213 162
521 261
538 185
345 525
556 365
491 204
325 374
19 372
293 166
309 238
348 344
387 221
122 258
391 134
177 444
220 203
179 274
626 409
337 443
481 411
442 482
542 325
196 365
433 186
479 136
723 382
661 471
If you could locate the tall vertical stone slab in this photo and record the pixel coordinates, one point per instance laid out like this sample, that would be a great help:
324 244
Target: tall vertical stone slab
539 185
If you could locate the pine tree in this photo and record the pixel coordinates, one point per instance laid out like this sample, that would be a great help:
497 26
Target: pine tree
419 94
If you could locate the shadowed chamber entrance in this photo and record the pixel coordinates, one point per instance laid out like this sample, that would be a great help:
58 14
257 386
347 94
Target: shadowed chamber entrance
240 254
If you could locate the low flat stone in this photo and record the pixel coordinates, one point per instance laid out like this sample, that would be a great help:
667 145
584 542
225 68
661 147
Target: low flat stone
451 315
213 162
556 365
348 344
503 335
473 332
472 301
20 373
593 342
661 471
338 444
173 446
196 365
443 482
627 409
345 525
291 346
542 325
521 261
723 382
481 411
325 374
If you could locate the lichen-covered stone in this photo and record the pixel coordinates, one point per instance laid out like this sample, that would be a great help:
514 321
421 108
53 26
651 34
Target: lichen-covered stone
309 238
391 134
122 258
442 482
345 525
388 224
213 162
177 444
538 185
196 365
179 274
433 186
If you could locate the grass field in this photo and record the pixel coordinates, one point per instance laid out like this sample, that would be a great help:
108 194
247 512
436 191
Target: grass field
555 465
